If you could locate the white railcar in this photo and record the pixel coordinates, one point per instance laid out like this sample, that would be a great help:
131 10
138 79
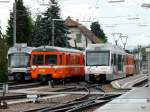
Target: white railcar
18 62
104 62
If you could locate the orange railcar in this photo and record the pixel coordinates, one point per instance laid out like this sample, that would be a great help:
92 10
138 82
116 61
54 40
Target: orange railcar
129 64
56 63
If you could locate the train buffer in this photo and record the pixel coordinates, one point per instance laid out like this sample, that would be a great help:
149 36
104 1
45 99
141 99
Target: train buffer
129 82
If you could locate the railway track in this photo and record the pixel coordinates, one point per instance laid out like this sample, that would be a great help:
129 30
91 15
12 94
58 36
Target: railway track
80 103
23 96
21 86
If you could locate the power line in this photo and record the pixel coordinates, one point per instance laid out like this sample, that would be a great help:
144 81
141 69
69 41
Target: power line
4 1
92 13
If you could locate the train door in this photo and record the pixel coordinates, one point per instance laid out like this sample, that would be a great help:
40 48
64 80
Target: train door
120 66
117 66
113 66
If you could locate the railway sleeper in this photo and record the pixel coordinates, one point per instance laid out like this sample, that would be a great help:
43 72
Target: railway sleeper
87 104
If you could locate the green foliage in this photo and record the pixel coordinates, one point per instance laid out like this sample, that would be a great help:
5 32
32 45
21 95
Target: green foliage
3 61
143 51
140 50
24 26
42 34
96 29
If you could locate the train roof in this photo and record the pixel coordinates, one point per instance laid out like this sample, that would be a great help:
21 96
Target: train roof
20 48
53 49
105 47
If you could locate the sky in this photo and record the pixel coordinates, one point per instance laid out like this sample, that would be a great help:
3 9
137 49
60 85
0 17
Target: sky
114 18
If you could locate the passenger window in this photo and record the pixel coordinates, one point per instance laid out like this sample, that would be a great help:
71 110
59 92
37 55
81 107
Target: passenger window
120 63
115 60
112 59
38 59
74 59
51 59
60 59
68 59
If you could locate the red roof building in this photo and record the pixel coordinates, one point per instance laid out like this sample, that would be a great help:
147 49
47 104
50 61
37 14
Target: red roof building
79 34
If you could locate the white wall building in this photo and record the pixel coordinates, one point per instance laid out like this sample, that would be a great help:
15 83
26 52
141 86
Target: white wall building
79 34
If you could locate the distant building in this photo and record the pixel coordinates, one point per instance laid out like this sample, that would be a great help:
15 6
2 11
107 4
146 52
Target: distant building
80 35
148 58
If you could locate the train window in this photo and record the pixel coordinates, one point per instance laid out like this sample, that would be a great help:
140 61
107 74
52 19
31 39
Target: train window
83 60
78 59
28 63
115 60
74 59
120 63
78 38
18 60
97 58
60 58
38 59
68 59
112 59
125 60
51 59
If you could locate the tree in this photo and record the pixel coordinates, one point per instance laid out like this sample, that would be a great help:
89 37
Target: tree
3 61
39 33
96 29
42 34
24 25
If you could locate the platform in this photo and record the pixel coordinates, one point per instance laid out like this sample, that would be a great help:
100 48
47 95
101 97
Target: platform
129 82
136 100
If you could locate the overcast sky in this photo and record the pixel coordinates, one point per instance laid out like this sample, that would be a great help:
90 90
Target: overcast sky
113 17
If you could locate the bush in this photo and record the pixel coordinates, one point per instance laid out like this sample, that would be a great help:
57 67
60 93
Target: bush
3 76
3 61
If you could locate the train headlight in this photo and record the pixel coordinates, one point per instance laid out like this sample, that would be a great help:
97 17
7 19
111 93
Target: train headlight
33 67
9 71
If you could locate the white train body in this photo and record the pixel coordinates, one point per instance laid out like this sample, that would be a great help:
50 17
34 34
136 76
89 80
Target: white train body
104 62
18 62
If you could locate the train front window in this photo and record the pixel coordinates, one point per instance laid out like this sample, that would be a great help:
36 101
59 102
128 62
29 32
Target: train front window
19 60
97 58
51 59
38 59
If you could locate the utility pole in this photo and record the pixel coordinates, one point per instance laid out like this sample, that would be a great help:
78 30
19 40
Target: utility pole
14 23
124 40
53 33
116 39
